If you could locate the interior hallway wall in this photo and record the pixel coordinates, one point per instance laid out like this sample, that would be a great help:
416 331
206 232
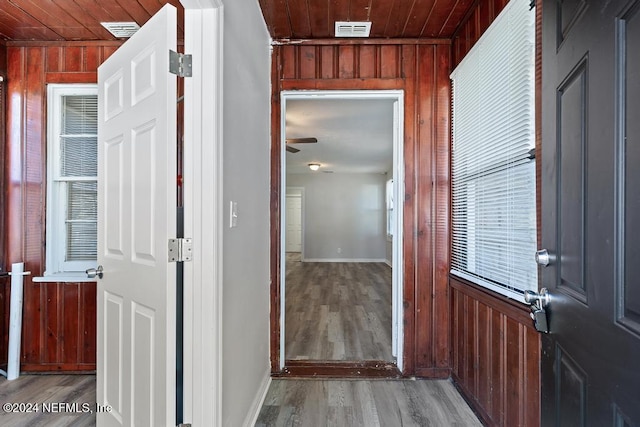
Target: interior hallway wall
246 126
344 215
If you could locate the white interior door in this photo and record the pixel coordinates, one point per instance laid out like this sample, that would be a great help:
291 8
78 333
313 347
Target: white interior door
136 216
293 235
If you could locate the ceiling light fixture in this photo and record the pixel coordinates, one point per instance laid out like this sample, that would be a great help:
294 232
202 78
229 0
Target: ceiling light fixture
314 166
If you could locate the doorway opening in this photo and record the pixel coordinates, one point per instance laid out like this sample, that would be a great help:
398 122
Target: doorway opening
341 230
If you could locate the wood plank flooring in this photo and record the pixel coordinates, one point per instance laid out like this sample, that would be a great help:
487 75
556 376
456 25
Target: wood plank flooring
337 311
364 403
49 389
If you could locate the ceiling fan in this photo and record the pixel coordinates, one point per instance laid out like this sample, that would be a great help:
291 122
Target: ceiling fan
290 141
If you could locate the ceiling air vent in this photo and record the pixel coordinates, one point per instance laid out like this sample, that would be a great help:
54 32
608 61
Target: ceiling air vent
352 29
121 30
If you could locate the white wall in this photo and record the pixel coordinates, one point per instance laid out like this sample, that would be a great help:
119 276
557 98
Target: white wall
245 345
343 211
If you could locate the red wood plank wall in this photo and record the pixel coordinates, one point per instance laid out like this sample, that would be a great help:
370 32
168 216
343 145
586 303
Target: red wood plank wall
59 327
3 57
473 26
495 356
4 281
422 71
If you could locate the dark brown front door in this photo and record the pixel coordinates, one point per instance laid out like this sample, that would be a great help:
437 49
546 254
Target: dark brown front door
591 212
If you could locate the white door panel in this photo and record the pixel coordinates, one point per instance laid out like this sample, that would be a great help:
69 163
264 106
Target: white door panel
293 235
136 217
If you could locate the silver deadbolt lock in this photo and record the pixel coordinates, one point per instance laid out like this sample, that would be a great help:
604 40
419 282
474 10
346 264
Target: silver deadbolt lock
544 258
538 302
543 298
92 273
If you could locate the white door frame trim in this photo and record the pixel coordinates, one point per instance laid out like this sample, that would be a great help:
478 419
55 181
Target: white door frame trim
203 213
398 180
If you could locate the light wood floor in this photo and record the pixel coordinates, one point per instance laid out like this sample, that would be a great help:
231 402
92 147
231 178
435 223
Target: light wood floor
312 403
47 389
386 403
337 311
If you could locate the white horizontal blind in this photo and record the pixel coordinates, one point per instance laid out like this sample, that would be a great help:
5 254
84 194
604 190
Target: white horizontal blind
493 173
78 173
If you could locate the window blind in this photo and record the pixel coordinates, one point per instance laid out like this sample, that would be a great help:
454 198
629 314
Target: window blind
493 170
78 173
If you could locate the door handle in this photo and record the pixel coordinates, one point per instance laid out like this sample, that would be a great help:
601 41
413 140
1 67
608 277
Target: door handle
92 273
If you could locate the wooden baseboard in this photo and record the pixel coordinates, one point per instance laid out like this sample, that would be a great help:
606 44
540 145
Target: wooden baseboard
61 368
344 260
433 373
338 369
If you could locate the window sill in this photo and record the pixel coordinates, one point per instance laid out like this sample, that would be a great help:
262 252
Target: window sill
64 278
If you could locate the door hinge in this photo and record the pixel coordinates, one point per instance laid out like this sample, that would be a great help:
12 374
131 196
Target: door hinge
180 250
180 64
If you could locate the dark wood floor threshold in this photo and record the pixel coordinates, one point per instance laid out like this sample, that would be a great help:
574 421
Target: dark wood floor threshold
339 369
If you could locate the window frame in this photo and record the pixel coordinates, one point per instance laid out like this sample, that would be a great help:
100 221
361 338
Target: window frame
56 201
467 232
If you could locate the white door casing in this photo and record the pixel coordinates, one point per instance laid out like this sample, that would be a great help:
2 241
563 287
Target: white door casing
397 96
136 217
397 260
203 213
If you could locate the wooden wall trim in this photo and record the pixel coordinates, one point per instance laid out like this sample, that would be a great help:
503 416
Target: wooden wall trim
87 77
44 43
441 373
67 368
373 41
339 369
341 84
275 242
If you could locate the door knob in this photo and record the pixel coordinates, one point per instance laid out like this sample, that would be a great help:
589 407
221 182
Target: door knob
94 272
544 258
